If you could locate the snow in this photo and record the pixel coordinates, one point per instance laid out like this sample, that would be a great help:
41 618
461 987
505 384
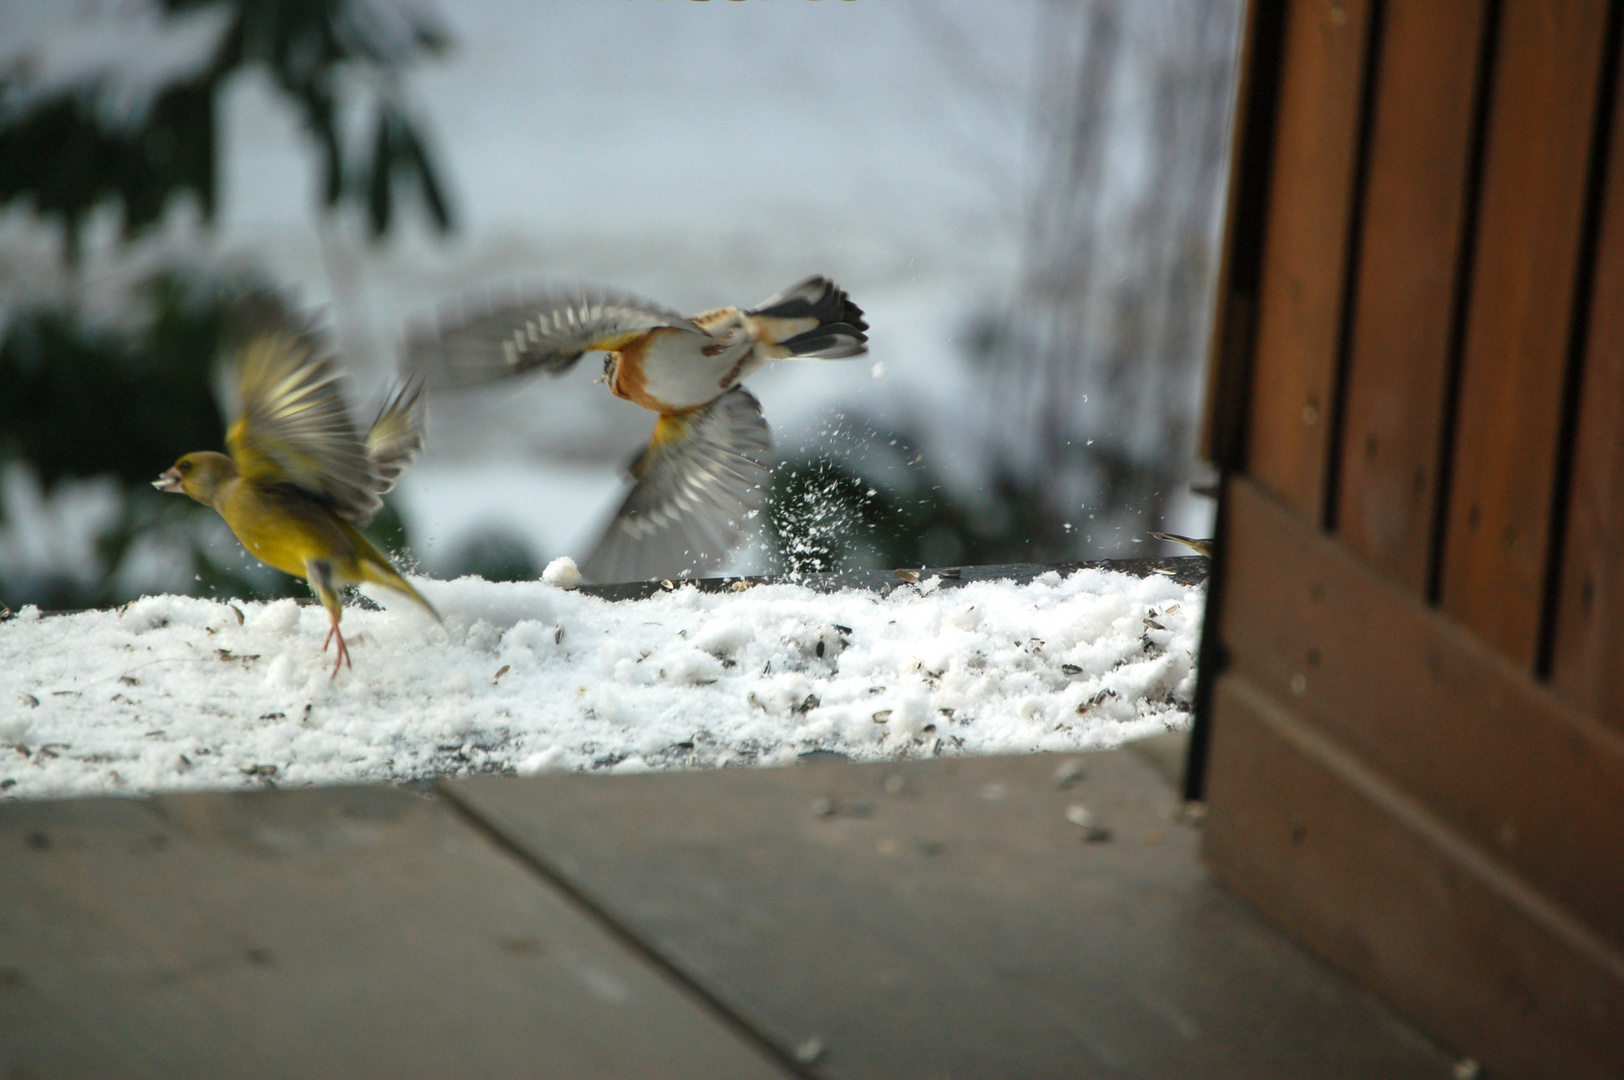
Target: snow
562 572
177 692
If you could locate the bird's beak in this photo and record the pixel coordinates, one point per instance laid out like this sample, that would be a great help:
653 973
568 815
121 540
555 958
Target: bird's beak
169 481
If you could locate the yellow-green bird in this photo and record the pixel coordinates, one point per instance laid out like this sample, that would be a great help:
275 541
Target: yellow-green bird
300 478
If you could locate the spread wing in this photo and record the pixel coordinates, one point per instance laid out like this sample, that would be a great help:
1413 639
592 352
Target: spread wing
698 483
487 337
396 436
293 429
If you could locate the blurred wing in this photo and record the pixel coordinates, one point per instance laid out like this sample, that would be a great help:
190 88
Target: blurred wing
488 338
396 436
293 429
699 481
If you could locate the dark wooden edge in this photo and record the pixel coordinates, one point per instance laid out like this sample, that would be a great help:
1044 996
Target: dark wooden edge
1234 326
1372 881
1184 569
1240 265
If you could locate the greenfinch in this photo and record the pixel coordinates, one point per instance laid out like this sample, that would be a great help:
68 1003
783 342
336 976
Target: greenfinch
704 470
299 478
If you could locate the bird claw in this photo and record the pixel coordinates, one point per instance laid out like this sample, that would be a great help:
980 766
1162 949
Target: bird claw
343 657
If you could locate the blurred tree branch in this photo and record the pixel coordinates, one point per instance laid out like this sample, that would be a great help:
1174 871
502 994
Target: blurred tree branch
66 151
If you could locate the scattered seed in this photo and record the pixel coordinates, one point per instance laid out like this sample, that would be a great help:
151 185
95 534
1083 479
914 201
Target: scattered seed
503 670
237 611
29 699
882 716
910 576
1093 832
1067 773
131 680
1071 669
741 585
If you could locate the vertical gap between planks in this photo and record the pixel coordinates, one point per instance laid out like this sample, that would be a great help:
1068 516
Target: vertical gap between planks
1258 90
1579 338
1466 260
1353 251
640 949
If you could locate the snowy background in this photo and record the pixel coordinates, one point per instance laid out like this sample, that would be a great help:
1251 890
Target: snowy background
949 163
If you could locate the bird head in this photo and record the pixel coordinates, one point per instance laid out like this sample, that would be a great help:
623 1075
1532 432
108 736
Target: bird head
198 475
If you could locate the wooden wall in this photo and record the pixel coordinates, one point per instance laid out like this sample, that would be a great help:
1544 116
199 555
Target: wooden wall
1411 730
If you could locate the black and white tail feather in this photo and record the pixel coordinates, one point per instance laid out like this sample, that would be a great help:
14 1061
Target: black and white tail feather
840 331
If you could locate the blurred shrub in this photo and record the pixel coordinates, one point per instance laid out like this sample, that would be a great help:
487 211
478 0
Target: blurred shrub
116 134
864 501
91 411
495 555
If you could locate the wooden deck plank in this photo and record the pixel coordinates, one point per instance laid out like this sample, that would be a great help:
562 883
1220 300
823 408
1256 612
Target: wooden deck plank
944 918
1376 883
1496 543
1442 715
1404 305
1305 249
341 933
1587 662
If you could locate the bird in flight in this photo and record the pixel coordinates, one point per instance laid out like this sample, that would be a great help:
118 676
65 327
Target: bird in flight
299 478
704 470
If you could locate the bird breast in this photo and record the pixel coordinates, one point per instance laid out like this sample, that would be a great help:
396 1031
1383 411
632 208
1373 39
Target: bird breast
672 370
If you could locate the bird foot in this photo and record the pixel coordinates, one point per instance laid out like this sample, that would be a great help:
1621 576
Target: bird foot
343 657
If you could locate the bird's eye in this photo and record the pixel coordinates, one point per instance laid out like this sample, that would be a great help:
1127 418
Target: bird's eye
185 467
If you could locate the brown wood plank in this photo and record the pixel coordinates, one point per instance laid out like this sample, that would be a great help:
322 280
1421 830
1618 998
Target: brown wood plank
1305 245
1484 746
338 933
1370 879
1587 662
944 918
1514 360
1404 307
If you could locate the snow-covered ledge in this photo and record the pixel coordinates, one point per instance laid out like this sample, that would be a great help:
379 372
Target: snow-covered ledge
174 692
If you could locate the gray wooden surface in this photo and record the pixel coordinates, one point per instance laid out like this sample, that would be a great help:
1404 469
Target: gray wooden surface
946 919
325 933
